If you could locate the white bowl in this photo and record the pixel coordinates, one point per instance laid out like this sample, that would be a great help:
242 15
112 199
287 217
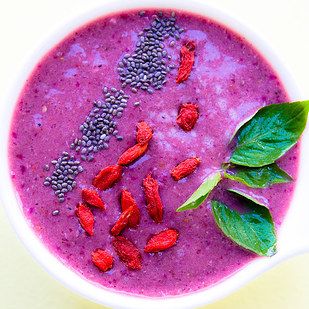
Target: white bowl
293 237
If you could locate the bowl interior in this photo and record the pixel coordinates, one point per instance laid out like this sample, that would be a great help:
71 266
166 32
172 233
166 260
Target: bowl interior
290 238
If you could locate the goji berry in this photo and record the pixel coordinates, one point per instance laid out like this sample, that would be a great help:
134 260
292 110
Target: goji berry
187 116
92 198
132 154
186 61
127 252
107 177
154 203
86 218
122 221
144 133
162 241
128 201
185 168
102 259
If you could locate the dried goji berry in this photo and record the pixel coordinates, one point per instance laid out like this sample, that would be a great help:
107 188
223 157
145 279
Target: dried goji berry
185 168
127 252
186 61
132 154
102 259
92 198
162 241
107 177
144 133
86 218
187 116
128 201
154 203
122 221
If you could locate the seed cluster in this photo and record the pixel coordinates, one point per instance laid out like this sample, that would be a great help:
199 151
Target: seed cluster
62 180
100 125
146 68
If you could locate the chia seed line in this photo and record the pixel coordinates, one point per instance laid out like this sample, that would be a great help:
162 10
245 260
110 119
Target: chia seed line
146 68
99 125
62 180
96 130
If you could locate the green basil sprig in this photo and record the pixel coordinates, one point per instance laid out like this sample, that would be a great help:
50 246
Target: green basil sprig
269 134
255 199
253 231
260 141
258 177
202 192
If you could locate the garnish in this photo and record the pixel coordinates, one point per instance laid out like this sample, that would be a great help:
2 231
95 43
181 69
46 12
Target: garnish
92 198
260 141
258 177
122 221
256 199
143 136
128 201
186 61
107 177
102 259
144 133
187 116
132 154
200 195
154 203
162 241
185 168
100 124
96 131
269 134
62 180
127 252
254 231
86 218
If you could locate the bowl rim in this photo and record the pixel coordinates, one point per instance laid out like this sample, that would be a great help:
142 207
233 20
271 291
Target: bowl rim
50 263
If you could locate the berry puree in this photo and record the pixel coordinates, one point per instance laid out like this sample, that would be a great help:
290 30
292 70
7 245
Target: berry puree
78 113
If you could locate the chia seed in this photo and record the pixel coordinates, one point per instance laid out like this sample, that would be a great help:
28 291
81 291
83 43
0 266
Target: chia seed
136 103
56 212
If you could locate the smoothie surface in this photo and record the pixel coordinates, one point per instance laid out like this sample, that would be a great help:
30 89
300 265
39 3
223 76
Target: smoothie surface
230 80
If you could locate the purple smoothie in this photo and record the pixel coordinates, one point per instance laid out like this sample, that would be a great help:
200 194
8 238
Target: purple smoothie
229 82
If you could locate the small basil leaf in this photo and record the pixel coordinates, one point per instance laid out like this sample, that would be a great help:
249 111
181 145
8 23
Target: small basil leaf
272 131
256 199
200 195
253 231
258 177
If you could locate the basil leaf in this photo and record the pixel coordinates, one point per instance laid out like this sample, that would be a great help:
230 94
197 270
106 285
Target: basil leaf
256 199
272 131
258 177
253 231
200 195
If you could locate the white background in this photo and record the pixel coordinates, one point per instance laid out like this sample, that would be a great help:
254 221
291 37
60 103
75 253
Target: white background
25 23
